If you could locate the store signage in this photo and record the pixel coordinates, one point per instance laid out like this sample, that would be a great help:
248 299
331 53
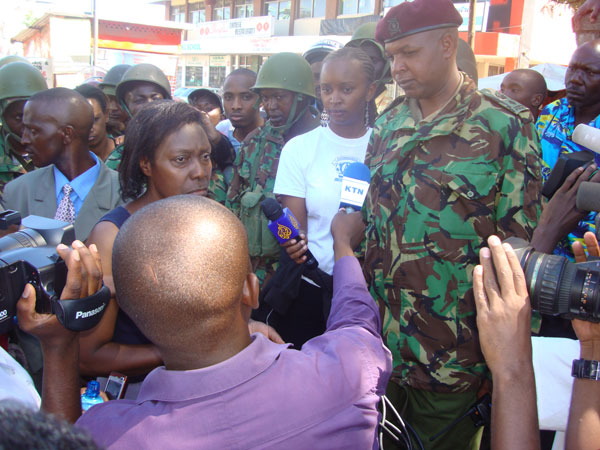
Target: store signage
254 46
250 26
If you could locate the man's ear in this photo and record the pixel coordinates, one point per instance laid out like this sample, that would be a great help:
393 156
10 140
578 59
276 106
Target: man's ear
68 134
449 44
145 166
250 291
537 100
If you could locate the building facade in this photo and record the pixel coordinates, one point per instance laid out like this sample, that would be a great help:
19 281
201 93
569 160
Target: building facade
229 34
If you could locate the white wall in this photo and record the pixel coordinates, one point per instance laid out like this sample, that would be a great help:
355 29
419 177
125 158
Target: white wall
551 38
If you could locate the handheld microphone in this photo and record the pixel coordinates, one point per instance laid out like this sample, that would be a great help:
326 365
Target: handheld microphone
355 185
588 137
588 196
284 226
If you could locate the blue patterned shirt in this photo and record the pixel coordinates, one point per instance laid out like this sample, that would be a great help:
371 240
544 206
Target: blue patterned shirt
555 127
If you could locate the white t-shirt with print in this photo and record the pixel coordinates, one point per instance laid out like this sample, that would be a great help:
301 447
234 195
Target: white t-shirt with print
311 167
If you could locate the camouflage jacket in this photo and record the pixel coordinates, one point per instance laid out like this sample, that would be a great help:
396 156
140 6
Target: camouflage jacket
217 187
438 189
114 159
11 167
258 156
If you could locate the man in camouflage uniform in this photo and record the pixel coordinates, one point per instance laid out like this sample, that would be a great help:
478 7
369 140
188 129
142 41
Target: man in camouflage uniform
287 90
449 166
18 81
140 84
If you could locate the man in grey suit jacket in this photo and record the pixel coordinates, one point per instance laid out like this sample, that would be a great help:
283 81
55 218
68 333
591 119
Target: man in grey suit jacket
57 123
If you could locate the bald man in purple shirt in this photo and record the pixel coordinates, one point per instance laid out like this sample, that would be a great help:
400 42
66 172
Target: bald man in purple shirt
184 279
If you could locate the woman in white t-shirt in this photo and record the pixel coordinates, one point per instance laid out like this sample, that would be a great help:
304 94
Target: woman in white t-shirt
311 165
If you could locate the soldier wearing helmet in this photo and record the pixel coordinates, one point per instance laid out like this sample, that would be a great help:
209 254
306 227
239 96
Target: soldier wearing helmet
18 81
141 84
315 56
287 92
12 58
117 118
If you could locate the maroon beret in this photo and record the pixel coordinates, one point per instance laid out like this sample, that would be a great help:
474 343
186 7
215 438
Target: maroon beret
416 16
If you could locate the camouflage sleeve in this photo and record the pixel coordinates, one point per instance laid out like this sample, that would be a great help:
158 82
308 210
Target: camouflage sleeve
114 159
518 204
9 169
238 183
372 155
217 188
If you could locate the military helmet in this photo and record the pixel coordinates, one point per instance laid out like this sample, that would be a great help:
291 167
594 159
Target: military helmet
366 32
19 80
320 50
287 71
12 58
143 72
112 78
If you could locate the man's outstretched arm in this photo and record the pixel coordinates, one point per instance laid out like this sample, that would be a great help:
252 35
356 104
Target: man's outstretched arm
504 321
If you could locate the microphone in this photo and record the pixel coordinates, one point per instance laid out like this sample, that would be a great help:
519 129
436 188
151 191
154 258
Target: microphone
284 226
588 196
355 185
588 137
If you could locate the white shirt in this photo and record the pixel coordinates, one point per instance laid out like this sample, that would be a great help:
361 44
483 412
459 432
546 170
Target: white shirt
15 382
311 166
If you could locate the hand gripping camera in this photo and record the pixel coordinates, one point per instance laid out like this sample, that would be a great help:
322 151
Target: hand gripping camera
29 256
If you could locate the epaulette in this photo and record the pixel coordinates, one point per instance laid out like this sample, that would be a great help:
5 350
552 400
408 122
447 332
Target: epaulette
499 99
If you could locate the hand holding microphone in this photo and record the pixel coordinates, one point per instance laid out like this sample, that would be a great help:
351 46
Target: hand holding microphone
355 185
286 229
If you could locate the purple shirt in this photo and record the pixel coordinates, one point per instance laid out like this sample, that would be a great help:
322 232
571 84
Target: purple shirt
267 396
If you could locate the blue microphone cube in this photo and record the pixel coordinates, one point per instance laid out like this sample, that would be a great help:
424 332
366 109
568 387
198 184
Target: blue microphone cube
285 228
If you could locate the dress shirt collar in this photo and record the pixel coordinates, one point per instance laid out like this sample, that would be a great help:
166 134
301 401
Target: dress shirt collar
182 385
82 184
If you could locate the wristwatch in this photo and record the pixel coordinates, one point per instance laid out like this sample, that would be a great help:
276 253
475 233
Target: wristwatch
584 368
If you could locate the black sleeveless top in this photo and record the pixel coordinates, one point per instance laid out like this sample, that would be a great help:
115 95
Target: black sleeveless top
126 332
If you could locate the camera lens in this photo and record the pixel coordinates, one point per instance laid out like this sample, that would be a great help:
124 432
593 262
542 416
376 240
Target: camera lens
558 286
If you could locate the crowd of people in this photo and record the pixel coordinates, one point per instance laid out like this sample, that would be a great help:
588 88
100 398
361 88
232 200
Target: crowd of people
417 313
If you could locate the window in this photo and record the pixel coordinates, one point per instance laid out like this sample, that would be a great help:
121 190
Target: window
243 8
216 76
495 70
278 9
222 11
391 3
357 7
311 8
251 62
197 12
178 13
193 76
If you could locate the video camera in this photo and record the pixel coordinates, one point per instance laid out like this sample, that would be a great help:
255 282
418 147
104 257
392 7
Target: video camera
29 256
559 287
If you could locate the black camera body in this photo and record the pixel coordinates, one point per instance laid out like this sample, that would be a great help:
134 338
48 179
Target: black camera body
565 165
559 287
29 256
